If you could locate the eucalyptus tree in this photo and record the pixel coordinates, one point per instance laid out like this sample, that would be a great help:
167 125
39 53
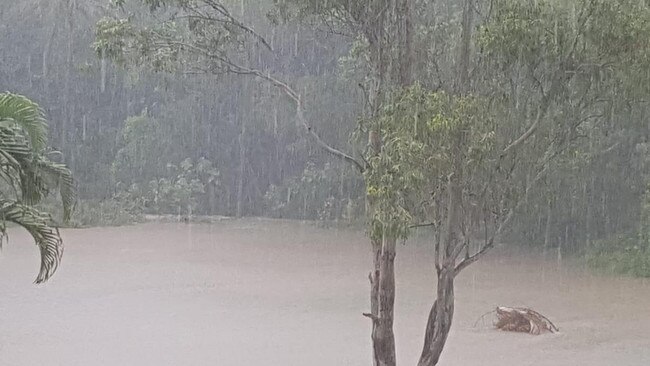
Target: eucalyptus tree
467 162
28 176
605 91
382 56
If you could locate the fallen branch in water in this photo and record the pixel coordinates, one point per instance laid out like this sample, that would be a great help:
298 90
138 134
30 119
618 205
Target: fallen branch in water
483 317
523 320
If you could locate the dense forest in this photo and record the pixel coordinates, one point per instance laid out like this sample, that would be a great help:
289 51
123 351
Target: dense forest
201 140
216 143
198 139
522 122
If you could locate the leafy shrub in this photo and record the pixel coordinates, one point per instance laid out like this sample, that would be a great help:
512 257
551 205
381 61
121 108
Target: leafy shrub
628 253
109 212
316 195
620 255
178 193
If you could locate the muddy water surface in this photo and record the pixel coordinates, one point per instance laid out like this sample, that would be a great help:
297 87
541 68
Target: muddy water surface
261 292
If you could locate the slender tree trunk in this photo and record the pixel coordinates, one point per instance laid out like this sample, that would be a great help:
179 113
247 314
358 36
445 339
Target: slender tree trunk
382 300
382 280
241 171
46 54
588 213
374 293
547 230
442 311
440 319
28 64
607 226
69 107
465 45
405 37
103 64
212 199
559 250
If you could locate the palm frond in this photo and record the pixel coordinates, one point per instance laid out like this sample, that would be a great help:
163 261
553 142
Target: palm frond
19 111
33 173
46 237
18 161
41 177
57 175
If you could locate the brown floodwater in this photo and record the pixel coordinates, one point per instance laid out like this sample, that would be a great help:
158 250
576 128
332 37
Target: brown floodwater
263 292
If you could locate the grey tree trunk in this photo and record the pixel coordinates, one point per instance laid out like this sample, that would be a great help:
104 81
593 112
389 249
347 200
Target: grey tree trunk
241 172
103 64
69 106
382 301
465 45
442 311
405 37
382 279
547 230
440 318
46 53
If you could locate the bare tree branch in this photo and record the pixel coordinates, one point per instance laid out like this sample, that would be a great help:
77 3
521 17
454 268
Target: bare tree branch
232 67
422 225
555 85
374 317
288 91
541 113
489 244
233 21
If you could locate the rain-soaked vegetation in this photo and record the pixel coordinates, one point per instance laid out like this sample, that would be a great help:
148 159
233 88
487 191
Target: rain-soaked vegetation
453 126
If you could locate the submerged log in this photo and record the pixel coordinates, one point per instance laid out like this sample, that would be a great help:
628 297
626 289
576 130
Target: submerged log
523 320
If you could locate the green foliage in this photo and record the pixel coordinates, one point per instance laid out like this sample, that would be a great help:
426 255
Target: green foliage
178 193
121 41
599 40
627 253
426 137
319 193
143 146
113 212
116 211
619 29
16 111
338 12
528 32
193 32
624 254
29 176
586 62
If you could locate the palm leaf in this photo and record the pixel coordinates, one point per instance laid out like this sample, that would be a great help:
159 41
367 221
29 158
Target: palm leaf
57 175
23 166
18 111
18 160
42 176
33 173
35 222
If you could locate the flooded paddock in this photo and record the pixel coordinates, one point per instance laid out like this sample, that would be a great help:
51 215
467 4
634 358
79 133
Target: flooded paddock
263 292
